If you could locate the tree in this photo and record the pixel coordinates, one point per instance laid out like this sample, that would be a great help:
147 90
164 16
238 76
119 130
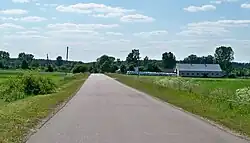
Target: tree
4 55
153 67
105 64
4 58
192 59
131 68
1 65
80 69
49 68
35 64
24 65
133 57
27 57
59 61
208 60
168 60
105 67
224 56
118 61
145 61
123 69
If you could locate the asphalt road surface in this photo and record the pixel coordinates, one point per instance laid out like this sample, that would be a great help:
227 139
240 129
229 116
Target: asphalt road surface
105 111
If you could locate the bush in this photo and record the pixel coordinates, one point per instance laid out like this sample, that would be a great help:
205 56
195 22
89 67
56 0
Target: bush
50 69
26 85
24 65
80 69
178 84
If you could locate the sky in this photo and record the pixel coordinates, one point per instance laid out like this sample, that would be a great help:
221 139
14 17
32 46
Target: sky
91 28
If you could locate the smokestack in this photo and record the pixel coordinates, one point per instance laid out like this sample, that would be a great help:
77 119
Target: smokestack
67 54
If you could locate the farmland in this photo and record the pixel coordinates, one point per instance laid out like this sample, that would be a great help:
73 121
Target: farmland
19 116
224 101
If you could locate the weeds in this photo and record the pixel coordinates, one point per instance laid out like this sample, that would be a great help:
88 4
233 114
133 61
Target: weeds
25 85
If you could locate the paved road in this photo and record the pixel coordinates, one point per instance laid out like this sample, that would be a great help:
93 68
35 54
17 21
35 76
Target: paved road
105 111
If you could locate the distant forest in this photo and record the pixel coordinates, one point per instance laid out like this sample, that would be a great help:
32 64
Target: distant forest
223 56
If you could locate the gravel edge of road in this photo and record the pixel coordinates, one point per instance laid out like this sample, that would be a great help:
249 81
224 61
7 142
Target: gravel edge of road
221 127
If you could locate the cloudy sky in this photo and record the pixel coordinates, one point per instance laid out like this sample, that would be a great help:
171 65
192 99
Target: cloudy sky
95 27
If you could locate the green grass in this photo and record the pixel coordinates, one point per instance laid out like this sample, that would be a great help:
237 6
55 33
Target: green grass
17 118
233 116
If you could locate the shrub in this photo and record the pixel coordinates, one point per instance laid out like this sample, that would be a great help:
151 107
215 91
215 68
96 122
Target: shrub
243 95
80 69
24 65
177 83
26 85
49 69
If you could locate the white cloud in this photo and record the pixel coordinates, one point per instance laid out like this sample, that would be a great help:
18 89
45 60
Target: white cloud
27 32
114 33
108 15
9 19
137 18
245 5
13 11
50 5
33 19
24 19
200 8
66 26
98 10
119 41
216 2
24 36
10 26
38 4
20 1
23 1
222 1
212 28
72 32
152 33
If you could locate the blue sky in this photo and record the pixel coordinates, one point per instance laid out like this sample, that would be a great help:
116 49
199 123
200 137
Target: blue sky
92 28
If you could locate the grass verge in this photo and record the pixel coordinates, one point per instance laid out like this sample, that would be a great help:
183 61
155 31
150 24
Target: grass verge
194 103
17 118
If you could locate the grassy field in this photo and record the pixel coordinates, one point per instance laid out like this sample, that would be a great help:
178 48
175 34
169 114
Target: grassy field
18 117
225 101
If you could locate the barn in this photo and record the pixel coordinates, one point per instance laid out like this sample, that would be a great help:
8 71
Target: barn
199 70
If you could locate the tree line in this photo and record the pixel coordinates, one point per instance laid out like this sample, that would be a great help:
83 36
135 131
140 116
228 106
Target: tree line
223 55
27 61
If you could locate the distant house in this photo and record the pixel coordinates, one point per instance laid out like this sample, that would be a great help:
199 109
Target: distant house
199 70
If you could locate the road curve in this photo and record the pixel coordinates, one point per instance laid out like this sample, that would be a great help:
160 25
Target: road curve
105 111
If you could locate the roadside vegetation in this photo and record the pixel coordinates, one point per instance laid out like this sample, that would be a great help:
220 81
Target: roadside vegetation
225 101
28 97
222 55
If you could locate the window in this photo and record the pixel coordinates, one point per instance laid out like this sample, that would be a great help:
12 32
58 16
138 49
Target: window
217 73
212 73
187 73
192 73
197 73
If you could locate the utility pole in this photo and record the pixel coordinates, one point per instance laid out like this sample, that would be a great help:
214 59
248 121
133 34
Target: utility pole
47 59
67 58
67 54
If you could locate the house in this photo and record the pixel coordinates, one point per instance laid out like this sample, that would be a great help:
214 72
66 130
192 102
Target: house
199 70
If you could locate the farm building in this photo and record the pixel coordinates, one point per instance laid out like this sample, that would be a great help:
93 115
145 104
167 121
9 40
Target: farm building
199 70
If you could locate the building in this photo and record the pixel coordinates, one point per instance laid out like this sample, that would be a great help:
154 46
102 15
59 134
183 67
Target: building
199 70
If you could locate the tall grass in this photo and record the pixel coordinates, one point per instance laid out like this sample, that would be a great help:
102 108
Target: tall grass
221 100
